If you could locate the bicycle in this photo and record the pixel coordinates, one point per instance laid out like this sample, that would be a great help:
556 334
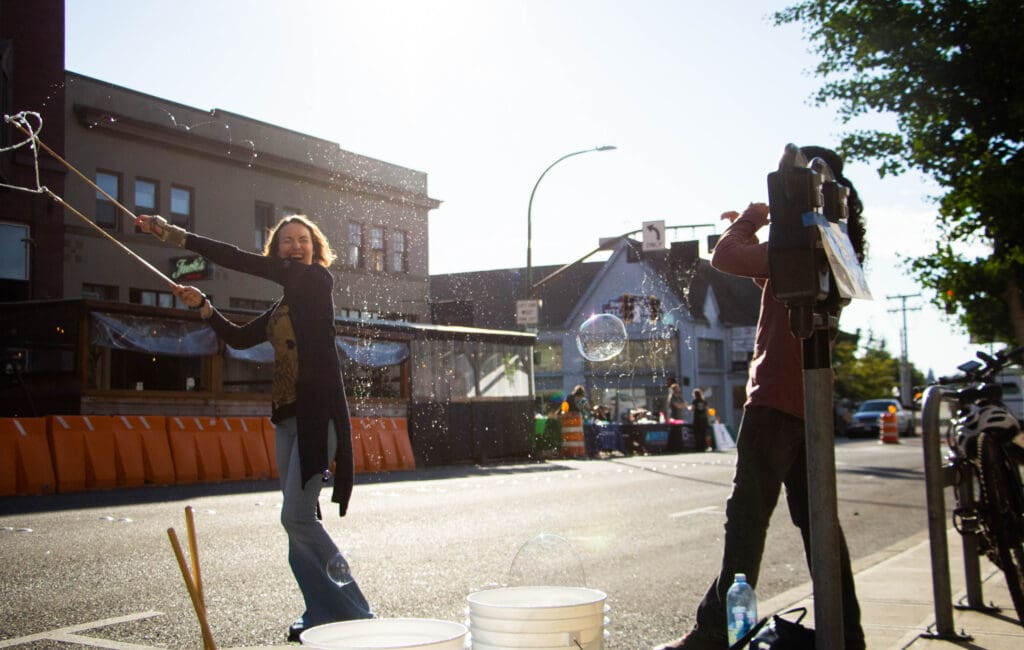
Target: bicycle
986 448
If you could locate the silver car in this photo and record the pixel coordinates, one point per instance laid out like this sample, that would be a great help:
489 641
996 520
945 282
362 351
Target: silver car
867 419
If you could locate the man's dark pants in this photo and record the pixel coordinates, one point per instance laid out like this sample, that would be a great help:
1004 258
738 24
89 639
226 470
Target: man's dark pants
771 452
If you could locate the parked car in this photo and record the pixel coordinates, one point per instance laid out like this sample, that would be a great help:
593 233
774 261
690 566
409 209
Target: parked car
866 420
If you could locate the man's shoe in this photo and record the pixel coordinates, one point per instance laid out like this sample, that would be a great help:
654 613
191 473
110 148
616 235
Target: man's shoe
295 630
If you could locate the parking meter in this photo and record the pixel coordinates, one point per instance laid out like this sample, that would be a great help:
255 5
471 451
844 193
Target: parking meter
800 196
803 199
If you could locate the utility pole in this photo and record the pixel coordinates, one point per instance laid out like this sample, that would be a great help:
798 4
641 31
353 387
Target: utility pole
906 396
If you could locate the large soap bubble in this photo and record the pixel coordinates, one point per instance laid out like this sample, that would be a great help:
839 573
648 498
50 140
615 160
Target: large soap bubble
547 560
601 337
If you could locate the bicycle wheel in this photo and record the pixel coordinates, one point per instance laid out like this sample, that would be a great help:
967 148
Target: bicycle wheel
1002 505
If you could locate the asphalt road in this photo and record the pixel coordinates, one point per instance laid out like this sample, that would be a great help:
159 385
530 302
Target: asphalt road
645 530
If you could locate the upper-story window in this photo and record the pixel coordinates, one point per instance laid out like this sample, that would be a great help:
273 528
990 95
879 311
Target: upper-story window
181 207
146 199
355 245
262 223
376 261
14 247
106 211
399 252
709 354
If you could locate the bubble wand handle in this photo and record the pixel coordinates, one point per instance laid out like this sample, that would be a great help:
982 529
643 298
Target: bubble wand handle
42 145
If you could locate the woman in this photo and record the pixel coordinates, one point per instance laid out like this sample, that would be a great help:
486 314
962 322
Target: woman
308 408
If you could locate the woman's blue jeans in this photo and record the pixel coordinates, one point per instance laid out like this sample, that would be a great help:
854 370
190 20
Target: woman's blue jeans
770 453
310 547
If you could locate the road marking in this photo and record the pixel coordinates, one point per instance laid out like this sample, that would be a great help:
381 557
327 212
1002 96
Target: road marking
68 634
695 511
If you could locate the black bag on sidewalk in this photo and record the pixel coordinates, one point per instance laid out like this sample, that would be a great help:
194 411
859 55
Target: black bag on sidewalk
777 633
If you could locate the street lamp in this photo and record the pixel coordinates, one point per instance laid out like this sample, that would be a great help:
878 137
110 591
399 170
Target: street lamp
529 213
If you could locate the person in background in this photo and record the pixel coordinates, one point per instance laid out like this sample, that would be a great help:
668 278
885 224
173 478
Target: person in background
701 428
770 444
308 408
675 405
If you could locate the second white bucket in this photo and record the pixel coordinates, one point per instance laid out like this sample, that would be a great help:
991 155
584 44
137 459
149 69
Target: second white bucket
540 618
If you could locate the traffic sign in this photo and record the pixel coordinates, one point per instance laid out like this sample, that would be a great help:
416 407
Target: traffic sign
654 235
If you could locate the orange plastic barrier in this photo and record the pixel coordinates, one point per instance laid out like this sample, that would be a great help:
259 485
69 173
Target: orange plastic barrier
195 448
82 448
25 463
142 452
381 444
888 431
269 431
244 452
572 436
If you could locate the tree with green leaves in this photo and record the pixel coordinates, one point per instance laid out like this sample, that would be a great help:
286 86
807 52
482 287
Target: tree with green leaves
952 74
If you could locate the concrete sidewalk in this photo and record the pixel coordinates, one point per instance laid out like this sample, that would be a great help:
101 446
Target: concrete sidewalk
894 587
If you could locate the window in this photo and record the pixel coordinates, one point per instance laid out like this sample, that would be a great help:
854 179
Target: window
547 357
399 252
14 247
253 304
106 211
99 291
376 261
263 222
709 354
145 198
181 207
151 298
355 245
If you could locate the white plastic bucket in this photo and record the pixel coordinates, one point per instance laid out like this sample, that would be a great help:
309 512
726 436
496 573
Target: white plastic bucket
386 633
535 626
537 603
597 644
537 640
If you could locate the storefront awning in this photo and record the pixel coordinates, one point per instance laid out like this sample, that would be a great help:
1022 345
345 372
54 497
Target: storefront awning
177 338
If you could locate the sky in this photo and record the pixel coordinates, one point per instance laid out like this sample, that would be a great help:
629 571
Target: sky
699 98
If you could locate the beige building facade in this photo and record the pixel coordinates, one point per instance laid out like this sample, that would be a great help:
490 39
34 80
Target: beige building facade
231 178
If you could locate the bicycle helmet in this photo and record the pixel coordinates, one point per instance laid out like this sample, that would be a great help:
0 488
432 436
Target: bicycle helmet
992 419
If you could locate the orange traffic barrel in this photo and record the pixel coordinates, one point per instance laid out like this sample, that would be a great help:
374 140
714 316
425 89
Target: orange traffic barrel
888 431
572 436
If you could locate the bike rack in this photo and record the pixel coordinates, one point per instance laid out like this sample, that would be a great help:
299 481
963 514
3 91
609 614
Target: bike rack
938 476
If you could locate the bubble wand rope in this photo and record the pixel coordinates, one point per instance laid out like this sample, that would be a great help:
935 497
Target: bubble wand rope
78 214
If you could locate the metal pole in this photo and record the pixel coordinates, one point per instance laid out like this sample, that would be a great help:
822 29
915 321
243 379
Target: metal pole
529 213
821 482
934 482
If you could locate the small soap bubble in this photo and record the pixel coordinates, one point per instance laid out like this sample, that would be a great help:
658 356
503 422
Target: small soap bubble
547 560
601 337
338 570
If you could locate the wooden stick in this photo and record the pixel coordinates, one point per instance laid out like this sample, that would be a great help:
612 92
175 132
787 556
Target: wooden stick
197 603
193 549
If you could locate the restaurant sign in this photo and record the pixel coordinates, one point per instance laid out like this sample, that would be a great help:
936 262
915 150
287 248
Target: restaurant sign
189 268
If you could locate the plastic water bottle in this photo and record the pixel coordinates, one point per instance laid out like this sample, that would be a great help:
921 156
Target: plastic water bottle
741 608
